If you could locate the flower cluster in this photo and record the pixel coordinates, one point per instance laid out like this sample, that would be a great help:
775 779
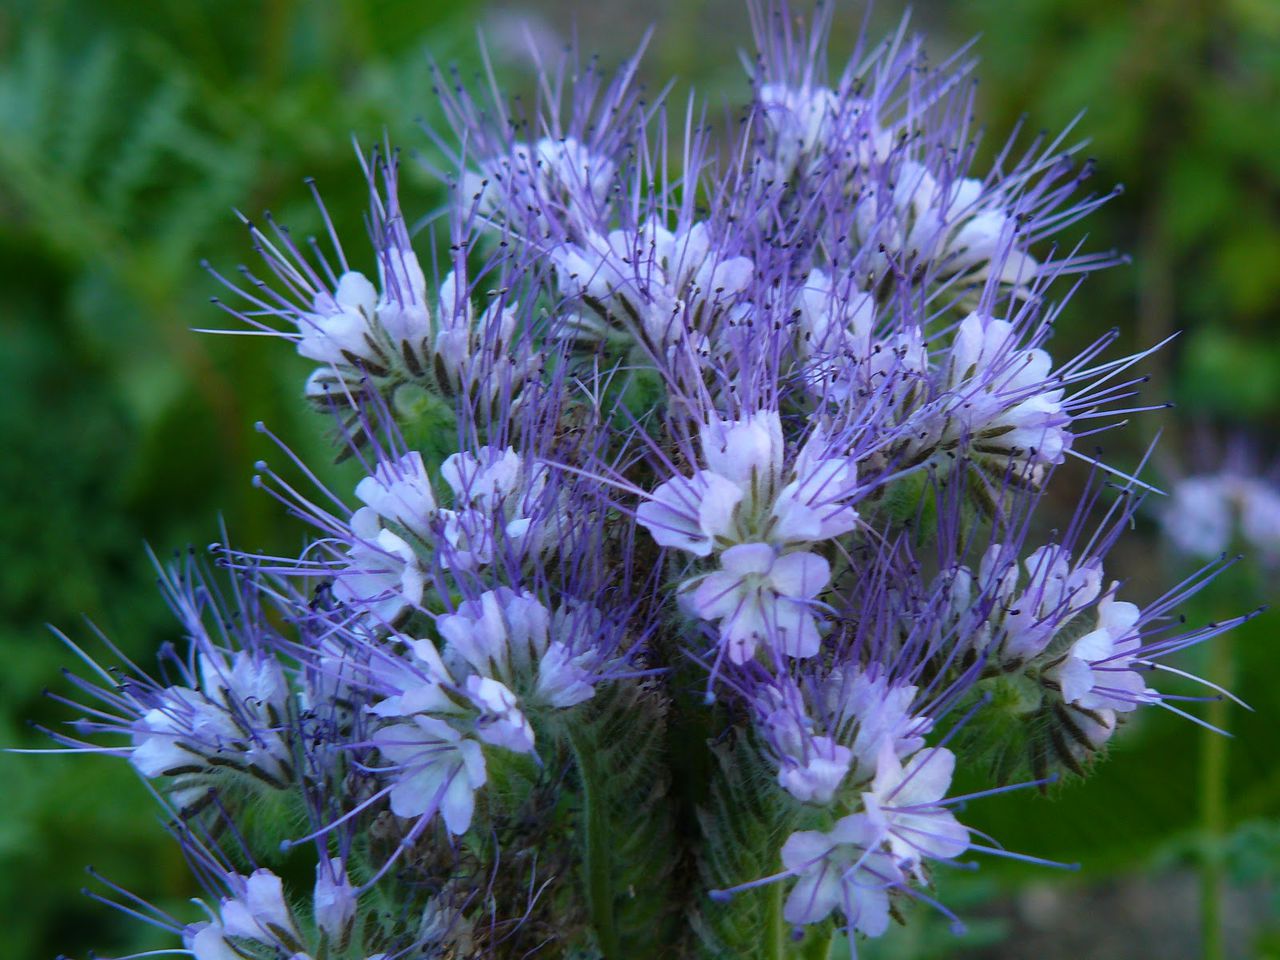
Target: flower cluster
1205 512
755 464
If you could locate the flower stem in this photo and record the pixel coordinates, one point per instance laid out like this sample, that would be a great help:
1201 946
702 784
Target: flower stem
595 849
1213 813
776 927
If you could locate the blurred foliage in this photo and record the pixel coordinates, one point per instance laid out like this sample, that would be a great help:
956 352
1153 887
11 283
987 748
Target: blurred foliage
1181 109
129 132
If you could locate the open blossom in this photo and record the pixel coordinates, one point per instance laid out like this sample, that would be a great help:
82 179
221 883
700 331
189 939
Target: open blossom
873 712
234 721
400 492
834 321
760 597
383 576
256 913
828 731
434 768
904 802
259 911
740 496
497 499
1098 672
512 636
1030 610
845 869
500 721
339 328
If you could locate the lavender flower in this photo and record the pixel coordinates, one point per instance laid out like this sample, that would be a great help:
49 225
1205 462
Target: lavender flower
778 421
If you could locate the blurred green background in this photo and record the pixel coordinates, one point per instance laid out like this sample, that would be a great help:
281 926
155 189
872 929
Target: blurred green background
129 132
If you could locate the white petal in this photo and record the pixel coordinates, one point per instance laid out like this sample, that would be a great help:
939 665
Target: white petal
799 575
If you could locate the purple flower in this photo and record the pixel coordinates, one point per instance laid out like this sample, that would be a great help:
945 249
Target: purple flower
741 496
509 635
399 491
844 869
649 283
904 803
1097 673
551 177
383 576
434 769
759 596
334 901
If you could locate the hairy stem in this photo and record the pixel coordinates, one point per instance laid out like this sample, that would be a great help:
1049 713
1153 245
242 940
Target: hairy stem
595 850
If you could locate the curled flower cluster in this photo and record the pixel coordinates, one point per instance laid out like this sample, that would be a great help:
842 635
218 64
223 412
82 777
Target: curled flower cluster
743 459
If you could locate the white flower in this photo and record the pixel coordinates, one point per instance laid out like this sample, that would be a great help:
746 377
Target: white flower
208 941
260 913
402 309
904 801
958 225
552 175
508 635
418 684
338 328
564 678
747 451
1197 516
737 498
435 769
1002 395
501 722
400 492
1055 590
656 277
690 513
383 575
759 596
811 507
495 490
799 119
173 736
844 869
1098 673
809 125
813 774
334 901
834 320
878 712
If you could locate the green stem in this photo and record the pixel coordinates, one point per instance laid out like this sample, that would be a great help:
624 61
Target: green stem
775 926
1213 808
817 945
595 850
